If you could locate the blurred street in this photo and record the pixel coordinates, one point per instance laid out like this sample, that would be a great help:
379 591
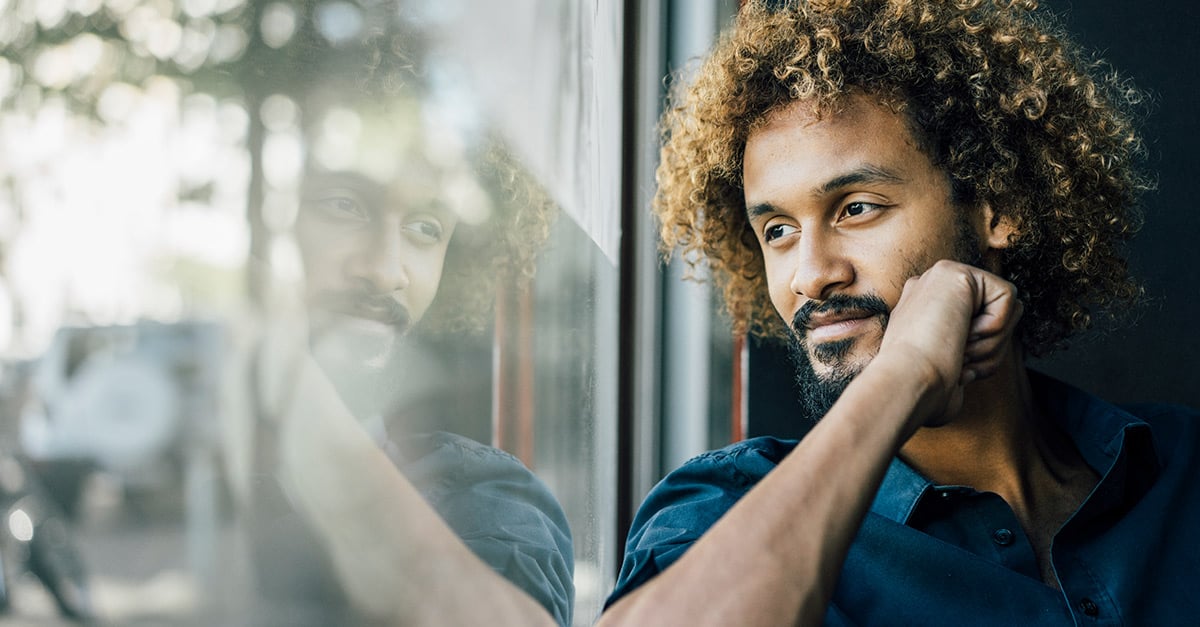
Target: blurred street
137 567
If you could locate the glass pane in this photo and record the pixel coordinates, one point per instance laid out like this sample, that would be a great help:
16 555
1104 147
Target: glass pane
307 309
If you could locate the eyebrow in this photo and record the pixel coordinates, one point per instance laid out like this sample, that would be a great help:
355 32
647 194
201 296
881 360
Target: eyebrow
863 174
761 208
338 178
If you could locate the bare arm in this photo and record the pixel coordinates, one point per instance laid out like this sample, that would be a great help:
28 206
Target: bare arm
775 557
395 556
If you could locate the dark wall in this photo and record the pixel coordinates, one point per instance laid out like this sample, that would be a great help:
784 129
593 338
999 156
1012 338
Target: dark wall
1155 44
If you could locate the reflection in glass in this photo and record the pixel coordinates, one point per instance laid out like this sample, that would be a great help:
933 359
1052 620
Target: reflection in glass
362 505
276 289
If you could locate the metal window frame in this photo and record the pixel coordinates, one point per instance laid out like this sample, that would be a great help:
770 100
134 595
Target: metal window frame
663 369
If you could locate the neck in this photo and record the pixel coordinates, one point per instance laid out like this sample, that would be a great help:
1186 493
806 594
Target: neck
1000 443
997 443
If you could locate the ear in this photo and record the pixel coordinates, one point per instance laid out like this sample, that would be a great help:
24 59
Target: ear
997 231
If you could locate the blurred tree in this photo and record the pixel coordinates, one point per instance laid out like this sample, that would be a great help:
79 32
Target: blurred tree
93 55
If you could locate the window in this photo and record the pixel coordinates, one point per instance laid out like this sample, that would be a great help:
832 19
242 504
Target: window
396 219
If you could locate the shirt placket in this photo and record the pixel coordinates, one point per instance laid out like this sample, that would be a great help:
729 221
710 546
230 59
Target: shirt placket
983 524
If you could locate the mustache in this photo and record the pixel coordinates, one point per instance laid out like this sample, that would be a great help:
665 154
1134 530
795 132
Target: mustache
362 303
866 304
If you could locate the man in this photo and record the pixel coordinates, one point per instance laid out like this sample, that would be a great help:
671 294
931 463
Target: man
359 512
914 196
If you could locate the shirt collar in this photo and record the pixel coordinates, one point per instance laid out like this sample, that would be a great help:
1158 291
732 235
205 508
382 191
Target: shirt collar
1115 443
901 490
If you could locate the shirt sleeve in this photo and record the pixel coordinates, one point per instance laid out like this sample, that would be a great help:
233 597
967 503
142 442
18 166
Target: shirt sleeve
685 504
504 514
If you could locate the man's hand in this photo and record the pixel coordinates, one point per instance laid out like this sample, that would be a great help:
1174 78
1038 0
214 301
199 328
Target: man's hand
953 323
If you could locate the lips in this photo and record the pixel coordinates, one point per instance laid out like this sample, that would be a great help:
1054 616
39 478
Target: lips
838 326
833 318
371 307
837 316
383 310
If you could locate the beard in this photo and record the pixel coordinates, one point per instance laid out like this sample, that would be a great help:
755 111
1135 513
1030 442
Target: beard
356 336
819 391
360 356
360 359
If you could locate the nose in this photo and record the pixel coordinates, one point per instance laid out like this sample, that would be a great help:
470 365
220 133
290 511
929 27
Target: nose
380 262
821 266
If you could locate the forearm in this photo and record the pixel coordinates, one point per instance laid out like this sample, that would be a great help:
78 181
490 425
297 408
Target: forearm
396 557
776 555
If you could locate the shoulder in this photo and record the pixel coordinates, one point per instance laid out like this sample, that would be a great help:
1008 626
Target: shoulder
1175 429
452 470
1169 415
698 492
1167 431
443 446
688 501
739 465
499 509
692 498
441 461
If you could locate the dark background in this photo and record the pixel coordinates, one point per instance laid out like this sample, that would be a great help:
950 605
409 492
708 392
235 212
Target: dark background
1153 357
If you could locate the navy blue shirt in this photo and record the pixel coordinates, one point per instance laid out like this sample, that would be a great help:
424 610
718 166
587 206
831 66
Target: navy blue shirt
495 505
500 510
930 554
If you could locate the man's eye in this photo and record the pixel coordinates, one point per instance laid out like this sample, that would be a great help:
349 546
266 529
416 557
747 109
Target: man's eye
777 231
424 230
342 207
859 208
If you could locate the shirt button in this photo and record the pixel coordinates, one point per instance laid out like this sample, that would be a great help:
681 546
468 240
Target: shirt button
1088 606
1003 537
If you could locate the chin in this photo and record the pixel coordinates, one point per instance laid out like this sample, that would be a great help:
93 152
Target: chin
359 360
842 359
355 342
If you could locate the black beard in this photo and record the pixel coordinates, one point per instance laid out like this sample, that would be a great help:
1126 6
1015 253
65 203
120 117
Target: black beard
818 393
831 353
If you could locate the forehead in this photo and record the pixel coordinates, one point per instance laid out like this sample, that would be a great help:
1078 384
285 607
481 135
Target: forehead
397 154
380 141
798 145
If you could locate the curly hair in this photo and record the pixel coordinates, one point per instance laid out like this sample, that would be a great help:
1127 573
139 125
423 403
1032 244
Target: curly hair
995 95
501 253
386 69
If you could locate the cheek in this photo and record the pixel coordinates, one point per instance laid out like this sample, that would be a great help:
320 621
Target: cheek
425 276
324 256
882 264
780 291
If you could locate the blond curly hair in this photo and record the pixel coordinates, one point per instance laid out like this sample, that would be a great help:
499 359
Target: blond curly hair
386 68
498 254
995 95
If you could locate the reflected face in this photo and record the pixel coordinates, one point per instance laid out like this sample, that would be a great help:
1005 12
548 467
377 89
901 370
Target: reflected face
387 184
845 208
384 192
373 255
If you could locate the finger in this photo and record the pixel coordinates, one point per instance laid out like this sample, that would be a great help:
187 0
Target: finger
984 368
983 354
998 308
983 348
